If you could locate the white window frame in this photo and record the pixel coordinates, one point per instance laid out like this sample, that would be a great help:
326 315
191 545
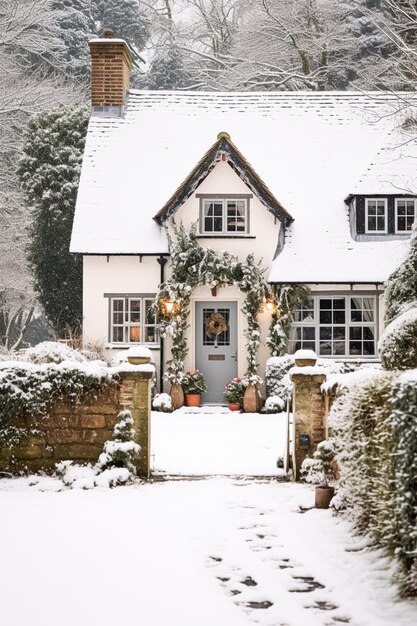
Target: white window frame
315 323
127 324
376 232
224 232
397 200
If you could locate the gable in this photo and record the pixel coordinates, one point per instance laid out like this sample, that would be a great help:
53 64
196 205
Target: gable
223 150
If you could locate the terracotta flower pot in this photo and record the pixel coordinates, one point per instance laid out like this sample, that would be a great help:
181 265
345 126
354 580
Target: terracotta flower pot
252 400
192 399
323 496
177 396
234 406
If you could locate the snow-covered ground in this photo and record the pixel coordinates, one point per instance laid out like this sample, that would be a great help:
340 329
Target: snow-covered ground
223 551
213 440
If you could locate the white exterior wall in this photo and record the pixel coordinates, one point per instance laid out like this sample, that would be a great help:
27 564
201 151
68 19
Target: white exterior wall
264 227
113 275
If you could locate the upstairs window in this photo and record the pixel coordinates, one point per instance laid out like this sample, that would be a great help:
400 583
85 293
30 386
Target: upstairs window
376 219
227 216
405 213
132 320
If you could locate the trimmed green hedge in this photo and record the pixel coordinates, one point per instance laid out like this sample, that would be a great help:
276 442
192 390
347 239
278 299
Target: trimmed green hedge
375 425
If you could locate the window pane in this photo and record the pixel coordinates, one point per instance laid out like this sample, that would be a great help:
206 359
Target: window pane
368 333
150 316
213 216
309 333
305 313
235 215
134 308
217 225
117 332
381 222
338 317
326 332
150 334
325 317
405 215
118 311
134 334
355 332
368 348
325 348
375 212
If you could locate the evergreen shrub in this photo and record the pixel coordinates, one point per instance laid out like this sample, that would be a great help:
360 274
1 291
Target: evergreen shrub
398 344
374 423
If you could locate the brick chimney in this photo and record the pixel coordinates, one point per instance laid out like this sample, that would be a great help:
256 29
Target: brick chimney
111 62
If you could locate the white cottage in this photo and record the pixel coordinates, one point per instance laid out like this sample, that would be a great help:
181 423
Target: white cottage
318 186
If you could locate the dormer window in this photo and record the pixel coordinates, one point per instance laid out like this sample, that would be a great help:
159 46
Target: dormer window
405 213
376 219
376 216
224 216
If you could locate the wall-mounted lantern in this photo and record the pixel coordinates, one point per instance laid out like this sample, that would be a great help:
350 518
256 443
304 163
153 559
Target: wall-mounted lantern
169 308
269 304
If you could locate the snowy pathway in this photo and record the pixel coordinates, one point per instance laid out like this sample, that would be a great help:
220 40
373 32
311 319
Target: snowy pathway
214 440
219 551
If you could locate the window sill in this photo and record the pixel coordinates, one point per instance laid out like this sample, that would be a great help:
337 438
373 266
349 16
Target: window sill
125 346
225 236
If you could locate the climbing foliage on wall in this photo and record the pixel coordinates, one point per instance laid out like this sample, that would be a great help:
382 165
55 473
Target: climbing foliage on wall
288 298
193 266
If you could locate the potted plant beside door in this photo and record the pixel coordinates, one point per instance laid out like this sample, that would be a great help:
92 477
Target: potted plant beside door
194 385
234 393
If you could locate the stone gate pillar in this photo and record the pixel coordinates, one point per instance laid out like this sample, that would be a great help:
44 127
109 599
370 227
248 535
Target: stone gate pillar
135 396
308 406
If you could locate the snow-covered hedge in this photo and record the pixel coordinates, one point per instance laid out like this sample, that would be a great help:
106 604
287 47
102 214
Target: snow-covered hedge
398 344
28 389
375 426
277 378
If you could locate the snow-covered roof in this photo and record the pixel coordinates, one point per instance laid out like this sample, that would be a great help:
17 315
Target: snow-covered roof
310 149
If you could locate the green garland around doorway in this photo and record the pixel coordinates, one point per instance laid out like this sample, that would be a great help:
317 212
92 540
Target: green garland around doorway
193 266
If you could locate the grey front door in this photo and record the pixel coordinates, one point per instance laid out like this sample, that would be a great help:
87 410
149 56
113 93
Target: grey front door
216 346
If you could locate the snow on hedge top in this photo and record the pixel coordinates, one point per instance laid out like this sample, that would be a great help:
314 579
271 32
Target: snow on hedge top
310 149
51 352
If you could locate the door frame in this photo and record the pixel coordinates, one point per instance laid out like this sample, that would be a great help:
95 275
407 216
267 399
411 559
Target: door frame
239 345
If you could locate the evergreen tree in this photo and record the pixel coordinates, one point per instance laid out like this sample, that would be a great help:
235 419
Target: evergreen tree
76 27
49 173
125 17
80 20
167 70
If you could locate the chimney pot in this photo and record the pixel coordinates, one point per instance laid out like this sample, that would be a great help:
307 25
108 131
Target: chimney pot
108 33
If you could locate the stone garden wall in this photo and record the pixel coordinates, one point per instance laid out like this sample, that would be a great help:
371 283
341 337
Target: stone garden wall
77 432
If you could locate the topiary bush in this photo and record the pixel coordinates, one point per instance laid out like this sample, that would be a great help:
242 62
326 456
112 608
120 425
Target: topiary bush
122 450
398 344
277 379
